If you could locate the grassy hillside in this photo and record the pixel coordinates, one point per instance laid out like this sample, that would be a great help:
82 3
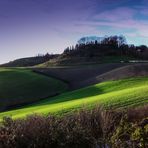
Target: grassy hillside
20 86
76 60
120 93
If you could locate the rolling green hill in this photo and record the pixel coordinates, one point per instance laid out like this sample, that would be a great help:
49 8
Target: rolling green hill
21 86
117 94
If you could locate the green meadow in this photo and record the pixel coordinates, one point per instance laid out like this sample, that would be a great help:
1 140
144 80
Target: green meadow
24 86
115 94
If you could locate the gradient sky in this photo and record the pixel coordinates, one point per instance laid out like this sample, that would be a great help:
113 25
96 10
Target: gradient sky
29 27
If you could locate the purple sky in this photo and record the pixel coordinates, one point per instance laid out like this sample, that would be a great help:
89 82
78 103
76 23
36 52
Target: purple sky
29 27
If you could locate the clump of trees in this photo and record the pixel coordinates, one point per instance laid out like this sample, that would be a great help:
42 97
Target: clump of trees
113 45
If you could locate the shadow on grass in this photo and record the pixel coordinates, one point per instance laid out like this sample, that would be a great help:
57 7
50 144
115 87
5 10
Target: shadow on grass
70 96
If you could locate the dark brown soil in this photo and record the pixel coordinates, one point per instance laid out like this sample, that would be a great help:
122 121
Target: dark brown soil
134 70
78 77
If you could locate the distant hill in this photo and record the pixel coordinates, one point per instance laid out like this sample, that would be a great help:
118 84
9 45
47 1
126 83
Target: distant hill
89 50
96 50
84 61
29 61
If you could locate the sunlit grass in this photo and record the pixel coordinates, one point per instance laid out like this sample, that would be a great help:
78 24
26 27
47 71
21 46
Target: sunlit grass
117 94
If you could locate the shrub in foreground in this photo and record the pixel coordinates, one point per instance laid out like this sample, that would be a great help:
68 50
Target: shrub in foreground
85 129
